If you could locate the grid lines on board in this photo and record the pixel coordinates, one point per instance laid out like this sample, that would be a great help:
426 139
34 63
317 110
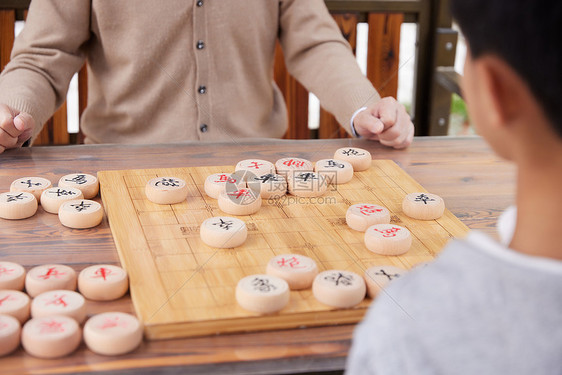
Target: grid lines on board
182 287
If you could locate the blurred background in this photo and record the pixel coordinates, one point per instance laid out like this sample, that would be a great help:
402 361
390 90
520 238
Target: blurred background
391 62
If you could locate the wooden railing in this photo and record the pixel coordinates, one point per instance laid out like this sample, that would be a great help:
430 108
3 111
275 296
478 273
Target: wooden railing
434 77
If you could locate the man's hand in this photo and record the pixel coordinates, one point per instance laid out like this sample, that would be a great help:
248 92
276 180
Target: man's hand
386 121
15 127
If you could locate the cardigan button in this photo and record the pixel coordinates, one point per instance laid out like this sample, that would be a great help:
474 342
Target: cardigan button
200 44
202 89
203 128
200 3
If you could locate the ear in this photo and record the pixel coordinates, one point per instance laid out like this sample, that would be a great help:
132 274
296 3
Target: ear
499 90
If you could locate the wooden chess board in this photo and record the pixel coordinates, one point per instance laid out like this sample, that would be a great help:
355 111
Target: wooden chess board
181 287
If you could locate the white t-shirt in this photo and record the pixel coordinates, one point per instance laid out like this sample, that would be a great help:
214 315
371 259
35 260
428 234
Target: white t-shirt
506 225
479 308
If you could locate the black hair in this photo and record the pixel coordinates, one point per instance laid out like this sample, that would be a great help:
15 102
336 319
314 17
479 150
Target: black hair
527 35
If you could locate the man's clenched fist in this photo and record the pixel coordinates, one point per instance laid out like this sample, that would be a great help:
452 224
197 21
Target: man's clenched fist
15 127
386 121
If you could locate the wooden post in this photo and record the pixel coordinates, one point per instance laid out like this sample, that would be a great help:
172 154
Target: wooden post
443 56
423 67
329 127
383 52
296 98
440 105
7 24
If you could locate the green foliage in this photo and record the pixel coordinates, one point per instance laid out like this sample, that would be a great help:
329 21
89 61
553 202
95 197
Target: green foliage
408 107
458 107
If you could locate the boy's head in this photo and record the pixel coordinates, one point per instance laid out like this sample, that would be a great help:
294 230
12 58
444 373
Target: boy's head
523 36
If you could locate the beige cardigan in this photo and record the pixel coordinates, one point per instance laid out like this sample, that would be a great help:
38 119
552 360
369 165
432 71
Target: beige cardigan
175 70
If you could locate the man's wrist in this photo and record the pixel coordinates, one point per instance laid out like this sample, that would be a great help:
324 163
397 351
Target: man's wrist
353 131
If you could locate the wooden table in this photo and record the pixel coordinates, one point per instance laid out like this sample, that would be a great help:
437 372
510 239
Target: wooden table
475 185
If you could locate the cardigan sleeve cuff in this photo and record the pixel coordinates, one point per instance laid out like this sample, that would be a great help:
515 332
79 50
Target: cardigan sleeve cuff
353 131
